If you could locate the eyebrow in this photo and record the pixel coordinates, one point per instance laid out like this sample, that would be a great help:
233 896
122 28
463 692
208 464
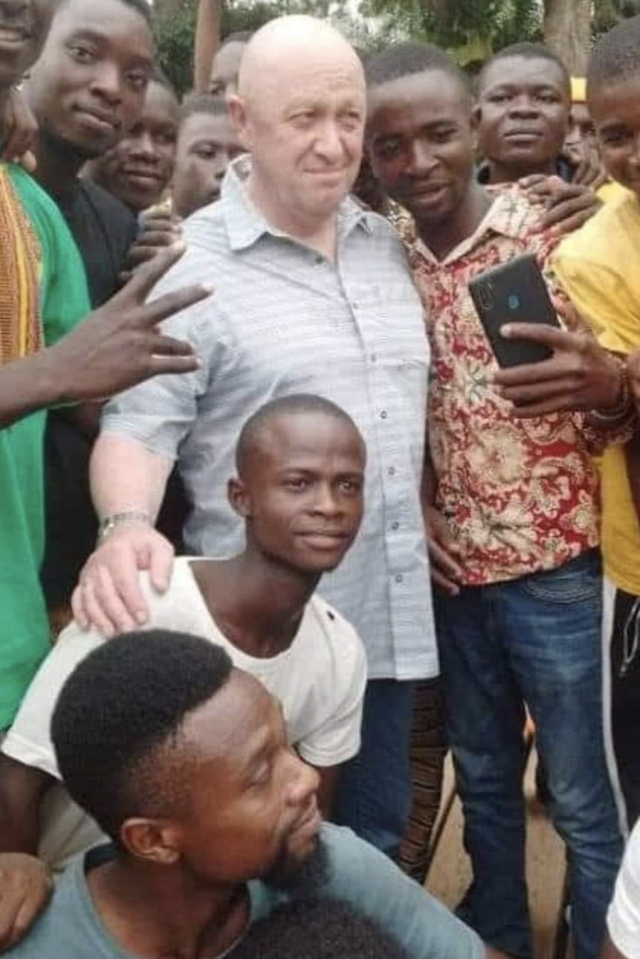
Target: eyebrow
102 38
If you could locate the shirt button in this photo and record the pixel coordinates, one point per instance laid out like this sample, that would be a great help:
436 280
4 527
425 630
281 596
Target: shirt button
383 415
354 305
399 578
395 525
391 471
373 357
319 259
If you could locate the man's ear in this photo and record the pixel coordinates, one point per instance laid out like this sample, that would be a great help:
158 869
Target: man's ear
239 498
239 120
153 840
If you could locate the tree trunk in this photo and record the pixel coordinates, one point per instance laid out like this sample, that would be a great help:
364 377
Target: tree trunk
567 30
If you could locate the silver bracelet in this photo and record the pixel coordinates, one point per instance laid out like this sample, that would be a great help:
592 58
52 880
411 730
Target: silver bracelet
108 524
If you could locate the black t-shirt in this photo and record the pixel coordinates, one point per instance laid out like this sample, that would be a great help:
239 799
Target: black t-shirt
103 229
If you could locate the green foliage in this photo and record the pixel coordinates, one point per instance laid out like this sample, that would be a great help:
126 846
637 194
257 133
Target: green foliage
470 29
175 27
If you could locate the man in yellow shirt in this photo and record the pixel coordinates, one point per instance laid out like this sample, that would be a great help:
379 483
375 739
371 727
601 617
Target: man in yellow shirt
599 267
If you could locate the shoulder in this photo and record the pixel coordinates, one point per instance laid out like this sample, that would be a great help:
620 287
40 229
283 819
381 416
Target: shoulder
338 630
363 877
64 927
616 226
117 219
207 230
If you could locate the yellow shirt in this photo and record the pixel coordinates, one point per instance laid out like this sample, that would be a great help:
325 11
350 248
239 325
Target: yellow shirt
599 267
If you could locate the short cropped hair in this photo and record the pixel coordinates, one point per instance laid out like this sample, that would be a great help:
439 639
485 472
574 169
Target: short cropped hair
318 929
117 722
616 56
283 406
406 59
203 103
528 51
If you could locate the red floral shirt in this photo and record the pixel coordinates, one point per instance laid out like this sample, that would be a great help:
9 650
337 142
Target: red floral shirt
519 495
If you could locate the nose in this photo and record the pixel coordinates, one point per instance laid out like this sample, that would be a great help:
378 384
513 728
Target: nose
304 782
524 106
421 160
329 142
145 148
14 9
107 82
325 501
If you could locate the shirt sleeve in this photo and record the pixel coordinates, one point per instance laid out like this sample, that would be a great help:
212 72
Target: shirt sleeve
337 739
29 738
623 919
363 877
160 412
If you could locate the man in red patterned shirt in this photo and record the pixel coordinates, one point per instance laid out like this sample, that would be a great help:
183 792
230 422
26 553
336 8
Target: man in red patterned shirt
511 512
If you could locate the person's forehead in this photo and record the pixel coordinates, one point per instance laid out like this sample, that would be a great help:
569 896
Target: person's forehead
235 724
420 98
119 24
160 106
611 101
523 71
207 126
306 438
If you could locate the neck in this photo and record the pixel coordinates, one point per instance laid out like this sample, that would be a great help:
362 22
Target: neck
320 234
158 911
257 602
442 238
57 166
504 173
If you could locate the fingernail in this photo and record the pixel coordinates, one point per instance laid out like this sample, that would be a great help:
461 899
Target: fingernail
141 617
178 246
208 287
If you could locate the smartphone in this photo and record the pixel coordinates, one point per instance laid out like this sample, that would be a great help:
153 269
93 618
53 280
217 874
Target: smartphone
513 293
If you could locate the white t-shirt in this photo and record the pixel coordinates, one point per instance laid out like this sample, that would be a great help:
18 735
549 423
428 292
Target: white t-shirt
319 680
623 918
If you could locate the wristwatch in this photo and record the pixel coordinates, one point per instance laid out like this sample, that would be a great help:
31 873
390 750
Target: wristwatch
109 523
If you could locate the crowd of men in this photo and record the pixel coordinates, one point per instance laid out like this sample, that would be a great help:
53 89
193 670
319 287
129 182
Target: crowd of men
276 529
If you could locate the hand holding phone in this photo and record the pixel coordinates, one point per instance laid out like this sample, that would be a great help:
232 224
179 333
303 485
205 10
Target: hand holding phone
514 292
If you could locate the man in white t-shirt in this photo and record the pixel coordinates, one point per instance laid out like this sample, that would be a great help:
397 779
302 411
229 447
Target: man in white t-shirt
623 919
300 464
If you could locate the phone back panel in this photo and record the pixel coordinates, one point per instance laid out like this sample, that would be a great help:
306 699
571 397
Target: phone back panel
513 293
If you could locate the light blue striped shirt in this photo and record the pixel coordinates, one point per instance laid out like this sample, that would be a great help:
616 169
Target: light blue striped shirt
283 319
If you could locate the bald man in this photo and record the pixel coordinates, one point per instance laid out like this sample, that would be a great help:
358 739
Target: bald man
313 295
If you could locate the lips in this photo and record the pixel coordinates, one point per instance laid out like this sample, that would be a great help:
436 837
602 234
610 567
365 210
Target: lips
97 119
523 135
14 37
146 176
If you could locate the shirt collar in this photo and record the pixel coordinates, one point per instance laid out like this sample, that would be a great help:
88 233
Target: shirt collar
503 218
246 224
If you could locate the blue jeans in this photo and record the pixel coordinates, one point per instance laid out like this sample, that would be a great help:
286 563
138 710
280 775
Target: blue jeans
535 640
374 796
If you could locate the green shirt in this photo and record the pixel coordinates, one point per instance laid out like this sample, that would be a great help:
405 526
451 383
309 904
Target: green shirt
24 627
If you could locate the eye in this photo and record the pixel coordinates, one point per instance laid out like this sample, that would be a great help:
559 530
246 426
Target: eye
82 53
206 152
298 484
351 486
498 98
387 149
138 79
548 97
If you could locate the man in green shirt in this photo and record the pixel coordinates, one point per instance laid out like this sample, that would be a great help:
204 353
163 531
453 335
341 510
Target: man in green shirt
43 295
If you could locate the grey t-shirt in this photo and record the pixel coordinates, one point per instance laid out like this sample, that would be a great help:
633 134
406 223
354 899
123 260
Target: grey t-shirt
356 874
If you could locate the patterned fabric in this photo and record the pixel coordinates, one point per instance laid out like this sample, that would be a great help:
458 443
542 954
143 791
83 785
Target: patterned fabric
20 258
284 319
519 495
